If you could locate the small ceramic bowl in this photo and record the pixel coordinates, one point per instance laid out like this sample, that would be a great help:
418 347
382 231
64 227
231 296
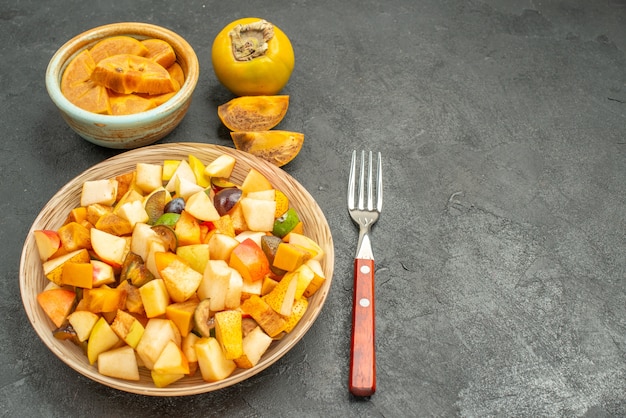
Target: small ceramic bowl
125 131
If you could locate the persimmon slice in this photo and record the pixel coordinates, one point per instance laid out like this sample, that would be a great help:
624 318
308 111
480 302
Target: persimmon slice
277 147
253 113
79 89
160 52
127 104
116 45
126 73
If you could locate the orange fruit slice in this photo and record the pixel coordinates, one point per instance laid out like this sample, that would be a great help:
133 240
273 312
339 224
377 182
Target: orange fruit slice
128 104
160 51
126 73
176 72
116 45
277 147
79 89
253 113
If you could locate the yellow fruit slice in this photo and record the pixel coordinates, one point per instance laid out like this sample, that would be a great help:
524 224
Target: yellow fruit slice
160 51
253 113
116 45
78 88
128 73
277 147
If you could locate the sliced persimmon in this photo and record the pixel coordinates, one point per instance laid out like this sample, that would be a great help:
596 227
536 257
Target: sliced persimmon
178 76
79 89
277 147
126 73
128 104
160 51
78 70
177 73
253 113
116 45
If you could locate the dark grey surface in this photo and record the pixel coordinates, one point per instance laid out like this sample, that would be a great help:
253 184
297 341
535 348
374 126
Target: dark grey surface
501 279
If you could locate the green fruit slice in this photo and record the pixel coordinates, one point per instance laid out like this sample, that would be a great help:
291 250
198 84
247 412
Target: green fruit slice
168 219
287 222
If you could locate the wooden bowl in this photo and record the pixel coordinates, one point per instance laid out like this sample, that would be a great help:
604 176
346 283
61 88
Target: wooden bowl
52 216
124 131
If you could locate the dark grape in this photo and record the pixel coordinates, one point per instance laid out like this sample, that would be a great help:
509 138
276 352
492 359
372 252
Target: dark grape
175 205
226 199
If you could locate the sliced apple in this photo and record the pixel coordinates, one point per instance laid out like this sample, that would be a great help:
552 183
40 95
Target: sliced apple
196 256
158 332
181 281
120 363
143 236
255 344
254 182
149 176
172 360
183 171
83 322
232 299
162 380
99 191
212 362
221 246
48 243
101 339
249 260
214 284
134 212
57 303
103 273
258 213
200 205
222 166
108 247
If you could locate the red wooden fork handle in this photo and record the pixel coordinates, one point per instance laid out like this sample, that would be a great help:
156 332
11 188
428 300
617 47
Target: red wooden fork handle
362 343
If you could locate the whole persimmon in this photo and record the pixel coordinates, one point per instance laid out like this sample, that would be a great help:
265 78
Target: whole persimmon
252 57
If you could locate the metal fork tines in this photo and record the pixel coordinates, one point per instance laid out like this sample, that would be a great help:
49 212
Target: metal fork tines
364 212
365 215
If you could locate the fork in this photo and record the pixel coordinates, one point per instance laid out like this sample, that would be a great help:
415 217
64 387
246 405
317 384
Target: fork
364 212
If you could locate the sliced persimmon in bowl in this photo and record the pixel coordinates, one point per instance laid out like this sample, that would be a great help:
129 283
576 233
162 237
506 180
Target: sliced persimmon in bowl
116 45
127 73
78 88
127 104
160 51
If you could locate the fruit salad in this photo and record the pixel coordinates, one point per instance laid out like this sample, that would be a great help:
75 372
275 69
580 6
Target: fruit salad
174 268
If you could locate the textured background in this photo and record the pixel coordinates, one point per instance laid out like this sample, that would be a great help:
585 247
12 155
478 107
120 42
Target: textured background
501 276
